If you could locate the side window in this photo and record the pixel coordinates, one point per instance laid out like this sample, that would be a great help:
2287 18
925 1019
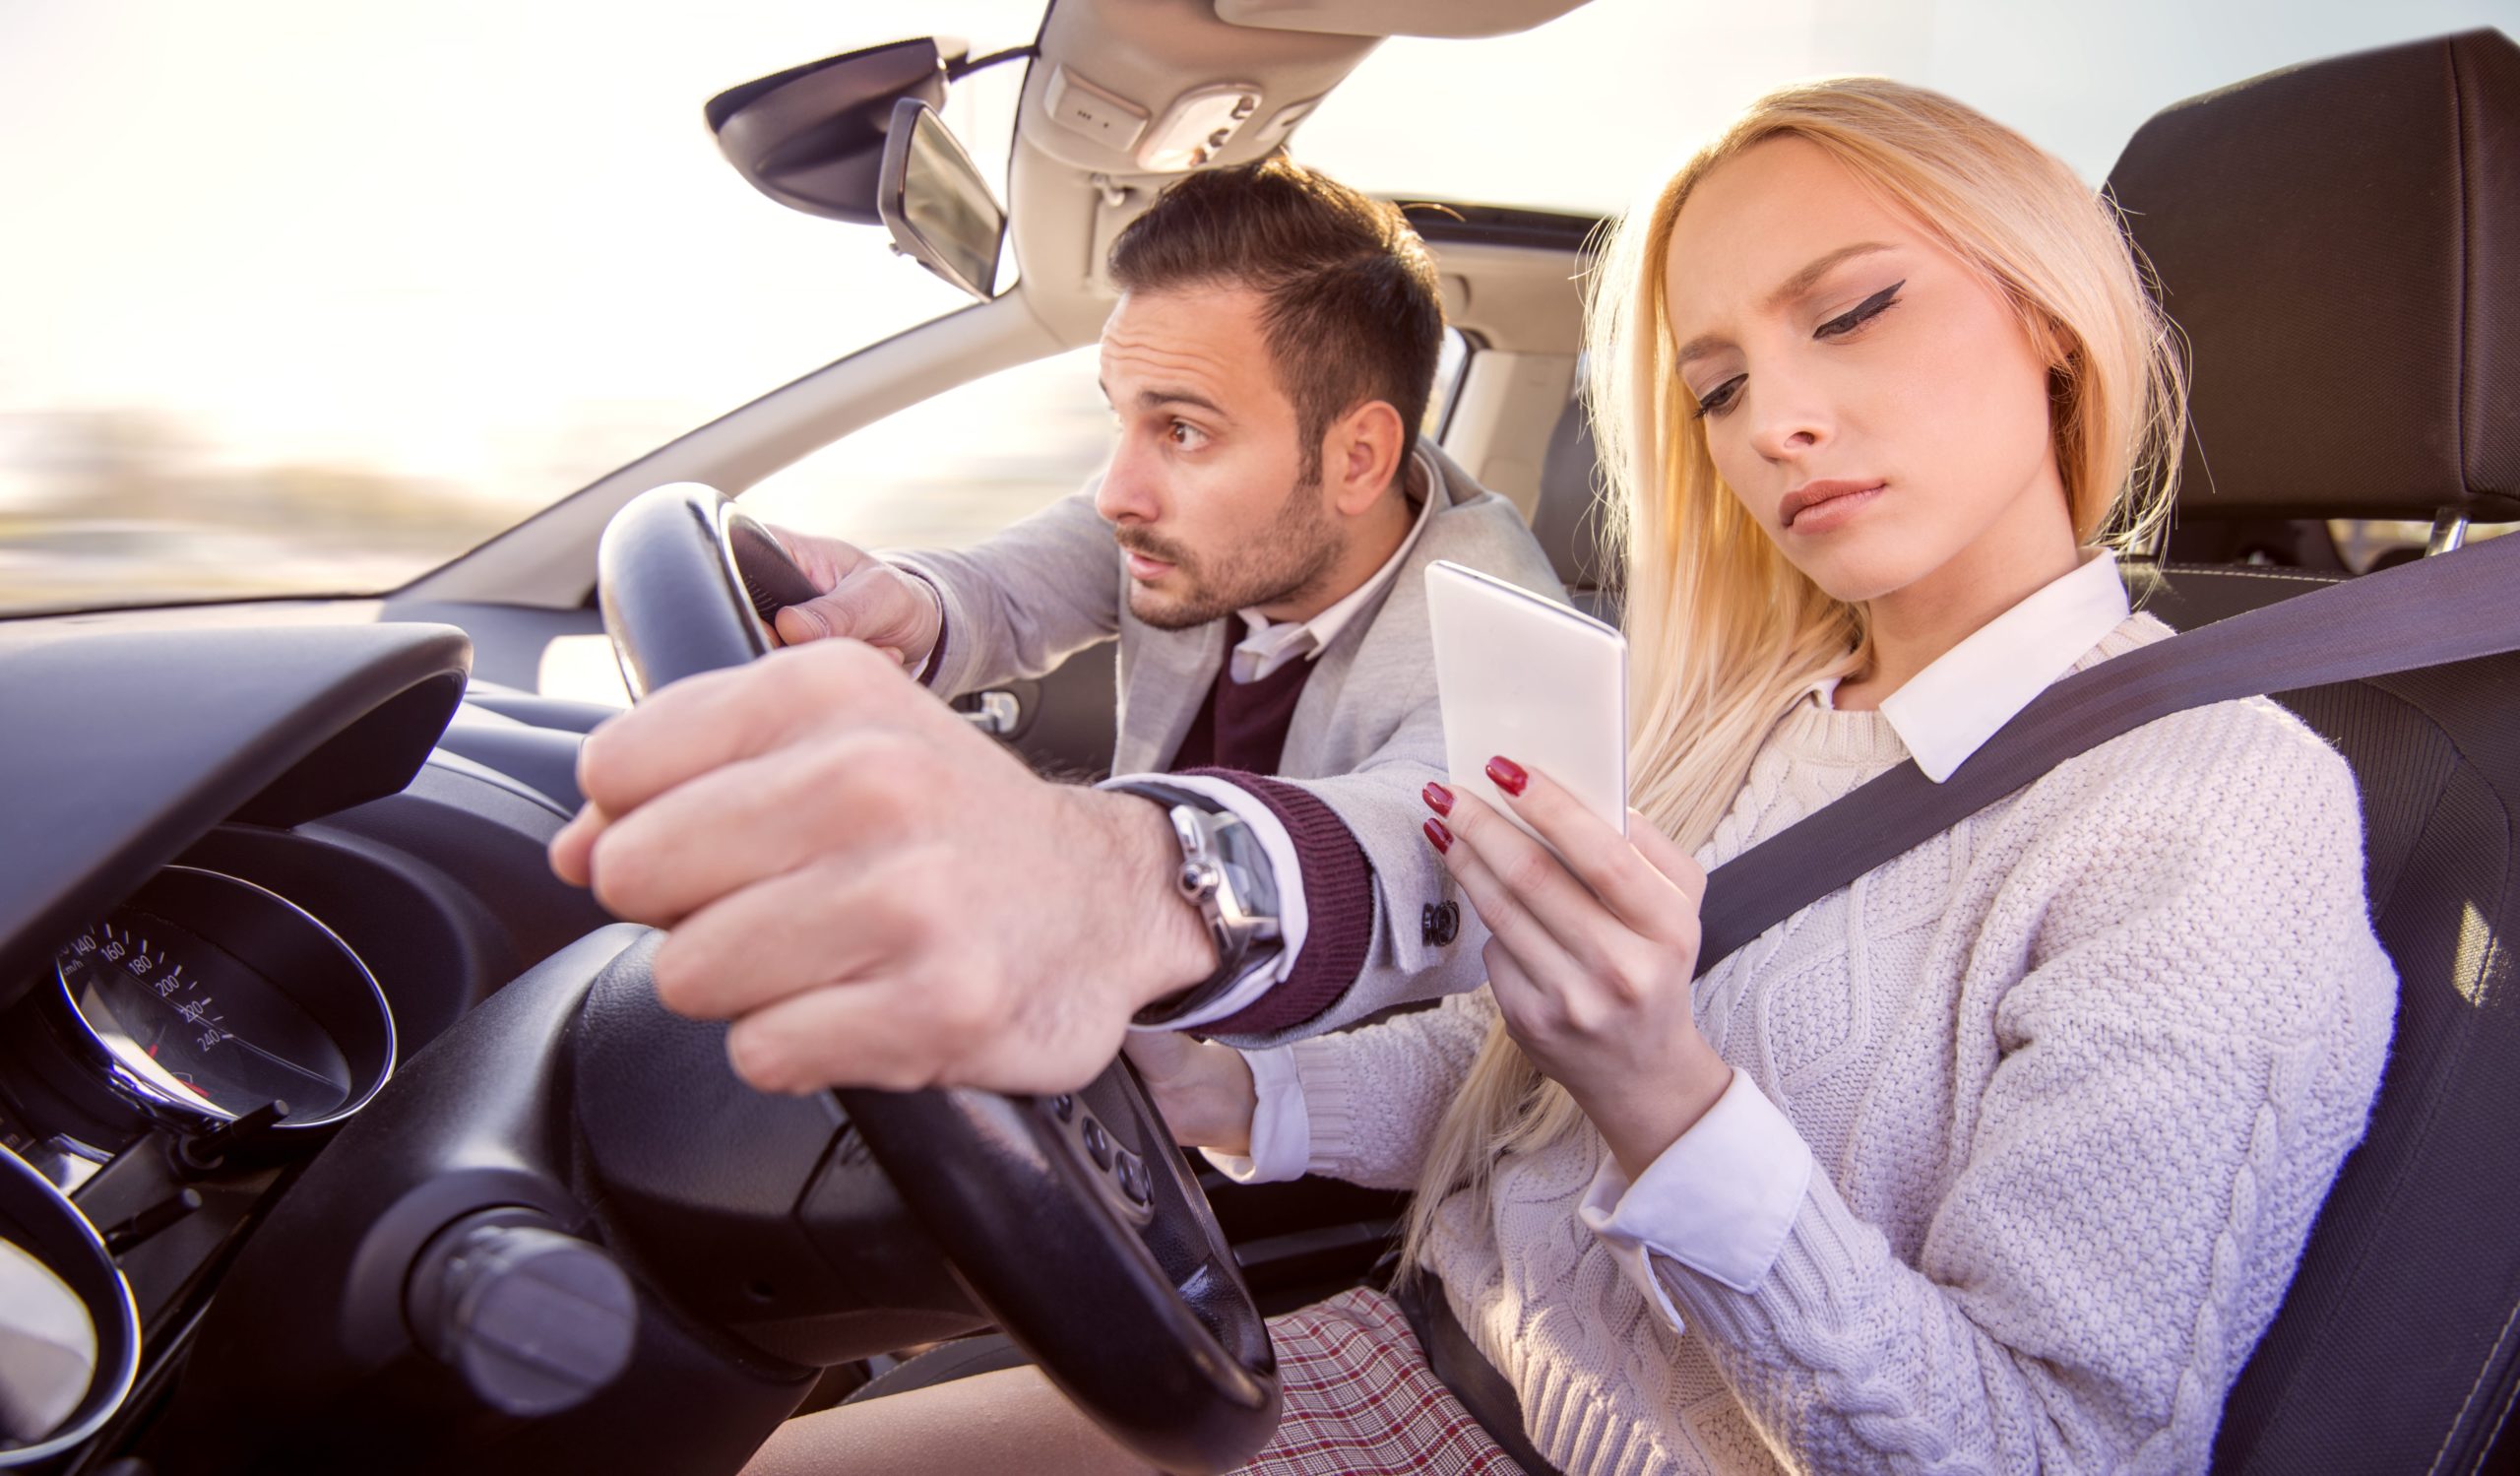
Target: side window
944 474
956 468
953 469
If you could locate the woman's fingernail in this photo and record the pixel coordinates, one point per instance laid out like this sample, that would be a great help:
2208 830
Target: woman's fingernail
1441 837
1439 799
1508 775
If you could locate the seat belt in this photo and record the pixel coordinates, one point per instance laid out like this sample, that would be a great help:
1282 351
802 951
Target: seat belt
2429 613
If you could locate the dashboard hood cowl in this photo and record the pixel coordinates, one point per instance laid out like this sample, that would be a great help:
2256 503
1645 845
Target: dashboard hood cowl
118 750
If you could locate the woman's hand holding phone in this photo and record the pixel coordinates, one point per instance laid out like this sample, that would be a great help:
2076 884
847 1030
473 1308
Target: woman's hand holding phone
1589 960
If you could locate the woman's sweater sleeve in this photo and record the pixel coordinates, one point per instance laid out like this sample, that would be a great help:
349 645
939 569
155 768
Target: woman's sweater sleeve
2180 1065
1371 1098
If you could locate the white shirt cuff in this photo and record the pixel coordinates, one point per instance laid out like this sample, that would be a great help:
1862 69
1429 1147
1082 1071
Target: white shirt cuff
1285 872
1281 1134
918 670
1720 1201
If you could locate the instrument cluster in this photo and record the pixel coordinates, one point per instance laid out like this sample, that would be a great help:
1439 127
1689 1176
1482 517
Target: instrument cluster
189 1047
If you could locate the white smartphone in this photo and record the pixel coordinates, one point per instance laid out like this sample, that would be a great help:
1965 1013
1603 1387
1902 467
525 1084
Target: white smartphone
1524 677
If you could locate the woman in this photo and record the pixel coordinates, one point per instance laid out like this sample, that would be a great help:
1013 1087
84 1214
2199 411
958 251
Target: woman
2002 1156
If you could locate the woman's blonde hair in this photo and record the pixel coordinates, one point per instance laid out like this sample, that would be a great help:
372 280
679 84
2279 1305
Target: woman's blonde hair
1725 634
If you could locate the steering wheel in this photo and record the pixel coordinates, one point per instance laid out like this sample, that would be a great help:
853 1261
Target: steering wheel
1072 1219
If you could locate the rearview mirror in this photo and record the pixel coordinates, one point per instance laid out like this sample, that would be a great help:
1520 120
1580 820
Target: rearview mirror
812 137
940 211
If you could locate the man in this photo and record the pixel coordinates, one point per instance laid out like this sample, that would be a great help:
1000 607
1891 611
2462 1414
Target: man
878 896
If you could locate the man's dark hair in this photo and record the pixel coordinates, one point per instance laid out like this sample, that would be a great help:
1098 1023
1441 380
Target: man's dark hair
1351 311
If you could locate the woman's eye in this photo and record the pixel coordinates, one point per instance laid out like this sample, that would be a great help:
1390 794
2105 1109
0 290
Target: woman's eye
1861 313
1720 399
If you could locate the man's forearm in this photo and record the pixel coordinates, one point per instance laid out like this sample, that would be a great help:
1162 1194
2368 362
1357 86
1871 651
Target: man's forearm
1018 604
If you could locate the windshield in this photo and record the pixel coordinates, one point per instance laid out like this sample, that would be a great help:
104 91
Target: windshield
1605 100
307 297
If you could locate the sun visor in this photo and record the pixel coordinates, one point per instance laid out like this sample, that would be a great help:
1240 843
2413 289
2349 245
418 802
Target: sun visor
1429 18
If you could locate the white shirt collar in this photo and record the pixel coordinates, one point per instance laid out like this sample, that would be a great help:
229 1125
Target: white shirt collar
1271 644
1947 710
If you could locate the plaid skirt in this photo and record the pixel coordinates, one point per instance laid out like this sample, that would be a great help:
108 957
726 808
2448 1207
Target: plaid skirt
1360 1400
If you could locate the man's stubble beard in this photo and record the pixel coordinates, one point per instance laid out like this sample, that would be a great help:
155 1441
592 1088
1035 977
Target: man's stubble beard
1289 559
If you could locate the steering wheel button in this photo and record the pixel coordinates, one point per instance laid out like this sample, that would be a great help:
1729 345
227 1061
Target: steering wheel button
1064 1104
1098 1143
1133 1179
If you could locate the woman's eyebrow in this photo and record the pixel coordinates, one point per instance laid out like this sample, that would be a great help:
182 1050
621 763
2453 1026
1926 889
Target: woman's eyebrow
1787 291
1809 277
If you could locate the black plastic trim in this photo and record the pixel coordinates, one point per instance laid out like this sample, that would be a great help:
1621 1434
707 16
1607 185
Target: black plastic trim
117 749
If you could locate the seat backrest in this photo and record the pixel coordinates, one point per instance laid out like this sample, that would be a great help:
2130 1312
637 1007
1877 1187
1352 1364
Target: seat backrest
1567 519
2341 244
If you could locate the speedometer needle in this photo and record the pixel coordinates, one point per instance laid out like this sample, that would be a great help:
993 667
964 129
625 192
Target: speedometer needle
286 1062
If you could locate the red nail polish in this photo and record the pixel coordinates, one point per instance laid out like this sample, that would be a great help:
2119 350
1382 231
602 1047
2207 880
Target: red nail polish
1441 837
1439 799
1508 775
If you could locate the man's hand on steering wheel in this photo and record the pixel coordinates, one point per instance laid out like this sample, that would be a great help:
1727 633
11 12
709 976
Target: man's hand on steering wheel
873 892
862 597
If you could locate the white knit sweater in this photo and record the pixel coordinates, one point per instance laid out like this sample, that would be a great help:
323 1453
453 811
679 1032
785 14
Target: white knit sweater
2076 1075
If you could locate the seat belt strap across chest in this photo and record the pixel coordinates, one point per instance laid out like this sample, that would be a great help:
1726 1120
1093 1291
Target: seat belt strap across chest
2451 607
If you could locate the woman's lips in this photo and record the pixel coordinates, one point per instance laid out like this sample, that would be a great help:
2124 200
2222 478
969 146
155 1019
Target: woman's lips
1817 506
1146 570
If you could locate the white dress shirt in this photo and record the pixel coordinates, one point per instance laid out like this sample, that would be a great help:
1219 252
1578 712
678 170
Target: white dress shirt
1271 644
1723 1198
1267 646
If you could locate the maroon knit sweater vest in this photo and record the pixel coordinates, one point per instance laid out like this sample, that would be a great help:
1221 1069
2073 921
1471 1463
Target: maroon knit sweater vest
1243 724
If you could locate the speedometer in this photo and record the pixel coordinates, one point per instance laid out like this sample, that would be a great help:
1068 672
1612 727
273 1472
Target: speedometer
211 996
190 1019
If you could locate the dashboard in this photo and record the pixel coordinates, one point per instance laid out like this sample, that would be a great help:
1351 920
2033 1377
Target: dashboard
246 874
323 1102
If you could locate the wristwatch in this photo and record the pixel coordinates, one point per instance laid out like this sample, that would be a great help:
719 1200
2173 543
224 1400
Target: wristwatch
1224 873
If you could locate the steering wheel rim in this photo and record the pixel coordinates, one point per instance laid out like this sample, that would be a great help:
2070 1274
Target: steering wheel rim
1072 1219
668 562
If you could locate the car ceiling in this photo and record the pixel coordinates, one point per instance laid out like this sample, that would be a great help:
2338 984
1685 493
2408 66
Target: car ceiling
1070 193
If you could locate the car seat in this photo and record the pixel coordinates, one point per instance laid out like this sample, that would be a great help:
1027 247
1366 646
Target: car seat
2341 244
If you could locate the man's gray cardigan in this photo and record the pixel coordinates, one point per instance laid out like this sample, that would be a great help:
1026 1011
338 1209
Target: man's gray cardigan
1365 738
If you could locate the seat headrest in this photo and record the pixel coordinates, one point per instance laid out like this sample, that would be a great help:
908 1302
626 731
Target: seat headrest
2341 243
1567 518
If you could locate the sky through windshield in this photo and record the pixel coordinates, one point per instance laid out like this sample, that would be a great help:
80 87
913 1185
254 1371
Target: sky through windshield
310 295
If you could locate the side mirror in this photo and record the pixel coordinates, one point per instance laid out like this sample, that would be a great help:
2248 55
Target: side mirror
940 211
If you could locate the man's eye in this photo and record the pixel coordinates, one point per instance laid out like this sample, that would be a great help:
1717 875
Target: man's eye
1186 436
1720 399
1861 313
